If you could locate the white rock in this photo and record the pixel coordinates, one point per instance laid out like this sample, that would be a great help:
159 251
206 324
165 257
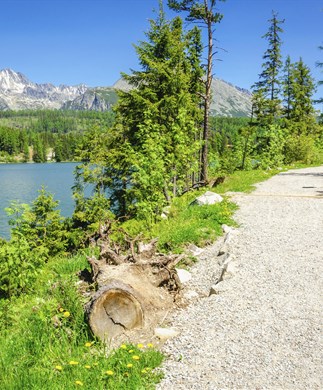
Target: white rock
183 275
166 333
226 228
231 267
208 198
191 294
195 250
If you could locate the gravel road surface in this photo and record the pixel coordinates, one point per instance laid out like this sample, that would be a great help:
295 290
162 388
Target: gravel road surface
262 327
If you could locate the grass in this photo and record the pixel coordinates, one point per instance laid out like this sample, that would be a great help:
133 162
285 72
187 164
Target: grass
45 340
46 344
187 224
244 181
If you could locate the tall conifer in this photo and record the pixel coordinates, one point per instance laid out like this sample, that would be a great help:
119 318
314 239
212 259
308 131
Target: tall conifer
269 85
204 12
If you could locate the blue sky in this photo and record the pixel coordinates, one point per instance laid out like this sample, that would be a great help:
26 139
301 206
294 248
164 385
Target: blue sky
91 41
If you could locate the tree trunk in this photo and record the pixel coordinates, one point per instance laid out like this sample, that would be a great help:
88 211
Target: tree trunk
208 97
133 290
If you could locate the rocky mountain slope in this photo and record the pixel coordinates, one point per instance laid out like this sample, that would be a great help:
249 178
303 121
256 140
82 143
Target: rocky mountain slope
17 92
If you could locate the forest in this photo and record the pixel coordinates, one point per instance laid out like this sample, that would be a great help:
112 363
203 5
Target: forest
152 155
45 135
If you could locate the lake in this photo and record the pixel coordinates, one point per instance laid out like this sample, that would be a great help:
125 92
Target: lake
21 182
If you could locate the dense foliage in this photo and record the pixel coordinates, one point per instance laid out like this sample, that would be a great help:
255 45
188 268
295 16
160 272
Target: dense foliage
45 135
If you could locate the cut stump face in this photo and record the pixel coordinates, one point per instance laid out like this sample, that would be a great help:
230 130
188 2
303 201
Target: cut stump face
134 291
114 310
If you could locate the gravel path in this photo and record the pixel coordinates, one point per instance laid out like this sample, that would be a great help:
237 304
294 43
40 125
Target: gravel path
261 330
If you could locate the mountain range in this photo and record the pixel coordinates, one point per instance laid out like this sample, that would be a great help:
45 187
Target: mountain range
17 92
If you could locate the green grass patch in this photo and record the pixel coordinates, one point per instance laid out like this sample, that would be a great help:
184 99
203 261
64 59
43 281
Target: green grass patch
244 181
46 342
188 223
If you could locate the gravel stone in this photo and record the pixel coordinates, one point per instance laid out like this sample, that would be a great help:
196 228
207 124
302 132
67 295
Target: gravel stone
262 329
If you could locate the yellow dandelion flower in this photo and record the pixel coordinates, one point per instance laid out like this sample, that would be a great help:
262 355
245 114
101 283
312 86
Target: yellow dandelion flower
73 363
61 309
109 372
58 368
66 314
131 351
79 383
140 346
123 346
150 345
129 365
88 344
136 357
87 366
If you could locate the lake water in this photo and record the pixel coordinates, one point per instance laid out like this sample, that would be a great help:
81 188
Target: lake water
21 182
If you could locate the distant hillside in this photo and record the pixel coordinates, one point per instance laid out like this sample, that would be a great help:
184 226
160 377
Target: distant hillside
17 93
229 101
93 99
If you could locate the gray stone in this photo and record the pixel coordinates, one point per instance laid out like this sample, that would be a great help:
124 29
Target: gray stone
195 250
191 294
208 198
183 275
166 333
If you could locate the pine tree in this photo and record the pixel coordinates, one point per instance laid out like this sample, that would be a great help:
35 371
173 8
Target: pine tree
287 87
319 64
302 88
269 84
156 121
203 11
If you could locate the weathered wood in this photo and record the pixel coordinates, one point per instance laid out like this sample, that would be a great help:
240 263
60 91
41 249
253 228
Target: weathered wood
132 287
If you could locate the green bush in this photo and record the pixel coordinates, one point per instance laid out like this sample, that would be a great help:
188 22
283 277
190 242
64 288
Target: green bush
301 148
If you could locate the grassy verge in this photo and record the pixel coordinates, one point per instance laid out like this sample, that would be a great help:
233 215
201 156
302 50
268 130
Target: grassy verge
45 342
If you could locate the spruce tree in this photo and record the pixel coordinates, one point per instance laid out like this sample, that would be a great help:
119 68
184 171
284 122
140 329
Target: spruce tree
203 11
287 87
156 120
269 85
302 88
319 64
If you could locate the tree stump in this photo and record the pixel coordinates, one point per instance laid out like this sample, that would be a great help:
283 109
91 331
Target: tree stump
134 289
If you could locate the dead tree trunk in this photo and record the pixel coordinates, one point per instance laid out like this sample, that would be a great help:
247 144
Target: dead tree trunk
134 289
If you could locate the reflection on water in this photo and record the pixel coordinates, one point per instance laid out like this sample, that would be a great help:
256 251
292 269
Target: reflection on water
21 182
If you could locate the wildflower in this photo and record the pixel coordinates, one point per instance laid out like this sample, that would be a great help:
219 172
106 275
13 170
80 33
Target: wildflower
129 365
58 368
79 383
123 346
88 344
66 314
73 363
61 310
110 372
140 345
131 351
87 366
150 345
136 357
